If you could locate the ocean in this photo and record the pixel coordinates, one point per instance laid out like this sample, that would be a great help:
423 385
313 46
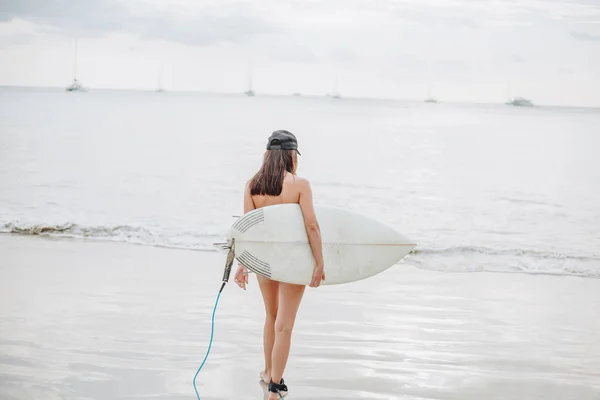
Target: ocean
478 187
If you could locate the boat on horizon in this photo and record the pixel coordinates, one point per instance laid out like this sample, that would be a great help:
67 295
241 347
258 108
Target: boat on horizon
250 92
159 87
429 98
520 102
335 93
516 101
75 86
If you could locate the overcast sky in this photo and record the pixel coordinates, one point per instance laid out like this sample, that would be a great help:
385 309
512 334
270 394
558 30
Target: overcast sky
466 50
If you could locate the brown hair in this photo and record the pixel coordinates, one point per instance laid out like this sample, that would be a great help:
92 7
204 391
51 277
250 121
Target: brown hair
268 181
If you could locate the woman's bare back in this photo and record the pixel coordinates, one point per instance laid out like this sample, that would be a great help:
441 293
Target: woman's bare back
290 193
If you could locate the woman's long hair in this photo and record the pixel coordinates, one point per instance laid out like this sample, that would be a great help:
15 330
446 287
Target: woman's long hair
268 181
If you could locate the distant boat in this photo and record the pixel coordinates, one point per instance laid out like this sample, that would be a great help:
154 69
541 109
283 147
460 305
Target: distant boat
429 98
250 92
75 86
519 102
516 101
336 92
296 94
159 88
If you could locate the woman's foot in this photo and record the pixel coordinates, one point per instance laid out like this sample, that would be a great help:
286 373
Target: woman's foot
277 391
265 376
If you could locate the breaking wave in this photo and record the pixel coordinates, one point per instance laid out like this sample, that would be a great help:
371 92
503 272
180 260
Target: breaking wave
449 259
481 258
504 252
120 233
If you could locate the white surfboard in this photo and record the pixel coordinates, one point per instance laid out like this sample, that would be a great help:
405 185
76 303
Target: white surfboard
272 242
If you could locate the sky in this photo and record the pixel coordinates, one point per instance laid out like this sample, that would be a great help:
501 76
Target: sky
457 50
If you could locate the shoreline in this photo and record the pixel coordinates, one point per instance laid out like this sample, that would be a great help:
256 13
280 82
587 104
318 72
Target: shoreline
92 239
416 252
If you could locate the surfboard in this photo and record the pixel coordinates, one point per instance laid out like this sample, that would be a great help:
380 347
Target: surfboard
272 242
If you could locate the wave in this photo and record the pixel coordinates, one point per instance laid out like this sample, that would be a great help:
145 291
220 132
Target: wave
121 233
448 259
528 261
504 252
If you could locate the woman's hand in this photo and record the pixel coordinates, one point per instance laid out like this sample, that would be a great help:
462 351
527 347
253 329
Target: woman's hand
241 277
318 276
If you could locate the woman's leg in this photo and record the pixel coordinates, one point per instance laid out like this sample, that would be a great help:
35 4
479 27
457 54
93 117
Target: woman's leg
289 301
270 291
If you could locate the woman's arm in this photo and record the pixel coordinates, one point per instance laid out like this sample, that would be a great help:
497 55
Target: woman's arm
313 231
248 202
241 275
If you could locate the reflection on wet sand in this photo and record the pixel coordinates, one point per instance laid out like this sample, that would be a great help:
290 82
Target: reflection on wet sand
90 320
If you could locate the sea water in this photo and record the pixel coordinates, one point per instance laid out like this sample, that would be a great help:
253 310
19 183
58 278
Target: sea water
478 187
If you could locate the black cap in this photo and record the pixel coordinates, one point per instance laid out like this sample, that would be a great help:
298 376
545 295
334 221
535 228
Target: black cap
282 140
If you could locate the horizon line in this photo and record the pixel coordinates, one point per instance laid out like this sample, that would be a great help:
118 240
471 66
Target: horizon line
293 94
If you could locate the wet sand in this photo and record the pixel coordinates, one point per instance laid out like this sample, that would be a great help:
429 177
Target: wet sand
98 320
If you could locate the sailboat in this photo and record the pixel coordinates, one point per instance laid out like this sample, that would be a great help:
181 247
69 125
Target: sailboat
336 92
75 86
250 91
429 98
517 101
520 102
159 88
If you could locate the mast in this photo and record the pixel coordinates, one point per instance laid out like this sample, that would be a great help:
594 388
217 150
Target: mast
336 91
250 78
335 86
75 62
250 91
159 78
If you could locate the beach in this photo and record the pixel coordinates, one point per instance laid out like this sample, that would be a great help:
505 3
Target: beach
463 135
97 320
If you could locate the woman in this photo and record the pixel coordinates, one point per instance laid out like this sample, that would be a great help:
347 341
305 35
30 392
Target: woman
276 183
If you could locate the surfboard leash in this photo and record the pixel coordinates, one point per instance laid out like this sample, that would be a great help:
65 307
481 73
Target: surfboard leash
226 274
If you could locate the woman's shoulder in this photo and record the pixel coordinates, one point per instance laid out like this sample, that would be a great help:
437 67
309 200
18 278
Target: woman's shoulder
293 178
300 182
303 181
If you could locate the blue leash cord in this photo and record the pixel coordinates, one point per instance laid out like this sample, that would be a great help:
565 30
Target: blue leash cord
212 332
